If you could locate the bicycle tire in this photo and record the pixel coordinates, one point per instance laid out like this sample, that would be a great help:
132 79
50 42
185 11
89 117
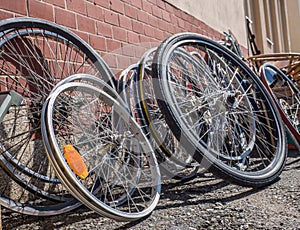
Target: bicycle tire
125 85
173 160
212 123
285 94
76 106
100 84
35 55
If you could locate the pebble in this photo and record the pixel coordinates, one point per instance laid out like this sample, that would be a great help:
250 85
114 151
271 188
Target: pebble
227 207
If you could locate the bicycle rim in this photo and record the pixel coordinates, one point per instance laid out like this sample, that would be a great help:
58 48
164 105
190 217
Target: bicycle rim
285 94
172 157
220 111
35 56
111 145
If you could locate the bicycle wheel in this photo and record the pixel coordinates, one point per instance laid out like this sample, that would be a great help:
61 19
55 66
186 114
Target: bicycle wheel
219 110
100 84
90 80
35 55
110 143
285 94
125 86
173 160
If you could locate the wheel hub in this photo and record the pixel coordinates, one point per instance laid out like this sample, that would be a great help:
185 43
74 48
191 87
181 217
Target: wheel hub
232 99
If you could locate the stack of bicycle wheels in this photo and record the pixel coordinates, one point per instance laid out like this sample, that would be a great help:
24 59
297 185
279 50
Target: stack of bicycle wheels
67 137
71 134
215 108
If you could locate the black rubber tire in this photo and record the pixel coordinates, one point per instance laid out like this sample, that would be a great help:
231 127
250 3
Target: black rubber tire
197 148
22 30
287 89
172 165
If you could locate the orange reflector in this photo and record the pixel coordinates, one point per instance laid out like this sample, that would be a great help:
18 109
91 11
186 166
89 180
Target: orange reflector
75 161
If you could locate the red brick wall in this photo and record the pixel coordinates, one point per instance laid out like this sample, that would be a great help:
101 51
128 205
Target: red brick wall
120 30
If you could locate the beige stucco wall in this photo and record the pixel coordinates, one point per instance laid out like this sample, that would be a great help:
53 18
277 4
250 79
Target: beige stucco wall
293 8
220 15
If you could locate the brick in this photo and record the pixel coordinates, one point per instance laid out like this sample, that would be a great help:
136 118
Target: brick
111 17
145 41
97 42
187 26
123 62
5 15
169 8
117 6
14 6
65 17
12 85
128 50
161 4
86 24
156 11
2 79
207 28
184 16
119 34
148 30
153 2
131 11
166 16
138 27
181 22
195 22
125 22
60 3
171 29
158 34
136 3
167 34
77 6
179 30
140 50
113 46
146 6
82 35
104 29
40 10
164 26
135 59
143 17
133 37
154 42
153 21
94 11
102 3
116 72
178 13
204 32
191 19
110 59
48 50
174 19
195 29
